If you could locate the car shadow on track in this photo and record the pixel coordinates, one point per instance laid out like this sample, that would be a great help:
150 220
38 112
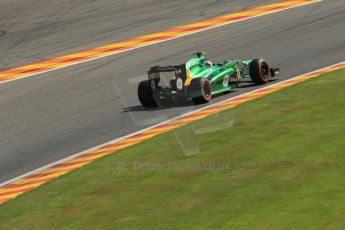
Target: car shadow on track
251 84
140 108
190 104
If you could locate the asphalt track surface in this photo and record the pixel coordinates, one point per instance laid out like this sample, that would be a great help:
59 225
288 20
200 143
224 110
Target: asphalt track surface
53 115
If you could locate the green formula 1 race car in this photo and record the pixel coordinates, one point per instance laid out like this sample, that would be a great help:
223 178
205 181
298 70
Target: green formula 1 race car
199 79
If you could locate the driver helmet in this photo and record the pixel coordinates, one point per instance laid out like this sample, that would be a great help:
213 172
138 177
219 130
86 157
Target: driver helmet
209 63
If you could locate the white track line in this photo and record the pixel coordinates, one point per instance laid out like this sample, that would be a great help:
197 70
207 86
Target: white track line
108 55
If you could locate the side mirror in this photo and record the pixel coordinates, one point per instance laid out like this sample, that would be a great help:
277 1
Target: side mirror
199 54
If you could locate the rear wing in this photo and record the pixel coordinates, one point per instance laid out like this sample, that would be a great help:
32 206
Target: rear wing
169 68
179 70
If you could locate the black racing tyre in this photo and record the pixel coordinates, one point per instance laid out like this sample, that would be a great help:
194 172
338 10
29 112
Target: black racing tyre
259 71
206 91
145 94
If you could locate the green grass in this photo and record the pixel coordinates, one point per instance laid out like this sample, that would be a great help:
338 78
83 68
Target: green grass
287 168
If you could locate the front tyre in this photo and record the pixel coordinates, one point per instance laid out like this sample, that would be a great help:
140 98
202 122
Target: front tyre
206 92
145 94
259 71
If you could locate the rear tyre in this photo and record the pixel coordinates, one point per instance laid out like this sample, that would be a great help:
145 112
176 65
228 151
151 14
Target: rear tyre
206 92
259 71
145 94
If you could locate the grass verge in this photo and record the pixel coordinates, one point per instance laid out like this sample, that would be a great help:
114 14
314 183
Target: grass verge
272 163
